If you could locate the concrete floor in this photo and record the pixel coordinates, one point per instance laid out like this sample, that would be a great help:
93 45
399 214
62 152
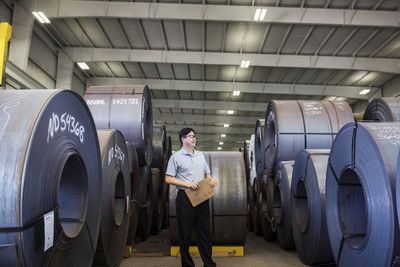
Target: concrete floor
257 253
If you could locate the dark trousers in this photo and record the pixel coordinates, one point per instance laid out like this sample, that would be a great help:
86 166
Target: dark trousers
197 219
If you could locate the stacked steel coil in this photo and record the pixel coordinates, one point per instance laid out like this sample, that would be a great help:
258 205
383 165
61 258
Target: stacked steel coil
361 195
308 209
282 207
115 198
254 188
294 125
50 176
228 206
289 127
128 109
159 167
383 109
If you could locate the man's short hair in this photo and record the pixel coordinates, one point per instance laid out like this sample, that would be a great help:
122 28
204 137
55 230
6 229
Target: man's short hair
184 132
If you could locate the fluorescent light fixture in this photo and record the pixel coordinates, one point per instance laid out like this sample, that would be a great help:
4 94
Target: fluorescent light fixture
223 135
219 148
263 13
236 93
41 17
230 112
83 65
245 64
226 125
221 143
365 91
260 14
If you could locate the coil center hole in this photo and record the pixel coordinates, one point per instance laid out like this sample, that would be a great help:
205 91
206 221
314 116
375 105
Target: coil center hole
119 199
72 196
352 208
301 206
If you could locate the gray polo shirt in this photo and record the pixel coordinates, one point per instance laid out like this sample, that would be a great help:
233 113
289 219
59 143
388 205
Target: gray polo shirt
186 167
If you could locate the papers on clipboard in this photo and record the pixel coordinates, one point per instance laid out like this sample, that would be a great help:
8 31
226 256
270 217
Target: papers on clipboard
206 191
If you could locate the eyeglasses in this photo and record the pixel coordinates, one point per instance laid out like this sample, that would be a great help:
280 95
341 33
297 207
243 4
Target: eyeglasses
191 136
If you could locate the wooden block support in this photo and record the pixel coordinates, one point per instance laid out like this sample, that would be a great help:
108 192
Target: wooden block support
217 251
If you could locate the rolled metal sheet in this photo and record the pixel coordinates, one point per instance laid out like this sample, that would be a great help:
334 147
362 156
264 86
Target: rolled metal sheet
115 198
259 147
158 200
294 125
383 110
160 150
128 109
360 195
266 221
245 154
50 179
255 206
252 160
165 219
282 208
308 207
169 147
145 203
135 187
229 205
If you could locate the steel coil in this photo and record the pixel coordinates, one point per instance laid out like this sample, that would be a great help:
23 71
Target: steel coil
255 207
263 202
259 147
245 154
308 207
228 206
383 110
160 152
169 147
360 195
165 219
145 203
158 200
282 208
115 198
128 109
135 187
294 125
50 177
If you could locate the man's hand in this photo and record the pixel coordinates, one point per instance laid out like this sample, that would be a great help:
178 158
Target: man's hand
193 185
213 182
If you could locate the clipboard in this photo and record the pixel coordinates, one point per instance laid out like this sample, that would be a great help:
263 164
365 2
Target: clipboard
206 191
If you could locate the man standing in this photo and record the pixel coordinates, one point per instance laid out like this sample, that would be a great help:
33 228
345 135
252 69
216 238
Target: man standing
186 168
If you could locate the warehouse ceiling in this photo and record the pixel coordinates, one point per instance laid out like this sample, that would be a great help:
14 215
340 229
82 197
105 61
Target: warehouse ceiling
190 54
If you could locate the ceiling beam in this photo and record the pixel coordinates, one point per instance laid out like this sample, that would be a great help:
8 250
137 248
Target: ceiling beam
255 88
79 54
161 11
213 129
208 119
209 105
210 137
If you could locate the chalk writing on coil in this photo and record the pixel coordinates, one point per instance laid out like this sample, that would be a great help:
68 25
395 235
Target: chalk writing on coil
125 101
65 123
5 108
312 109
391 133
116 152
95 102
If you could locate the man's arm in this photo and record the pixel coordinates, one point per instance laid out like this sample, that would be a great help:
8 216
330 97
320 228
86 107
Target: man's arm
177 182
213 182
